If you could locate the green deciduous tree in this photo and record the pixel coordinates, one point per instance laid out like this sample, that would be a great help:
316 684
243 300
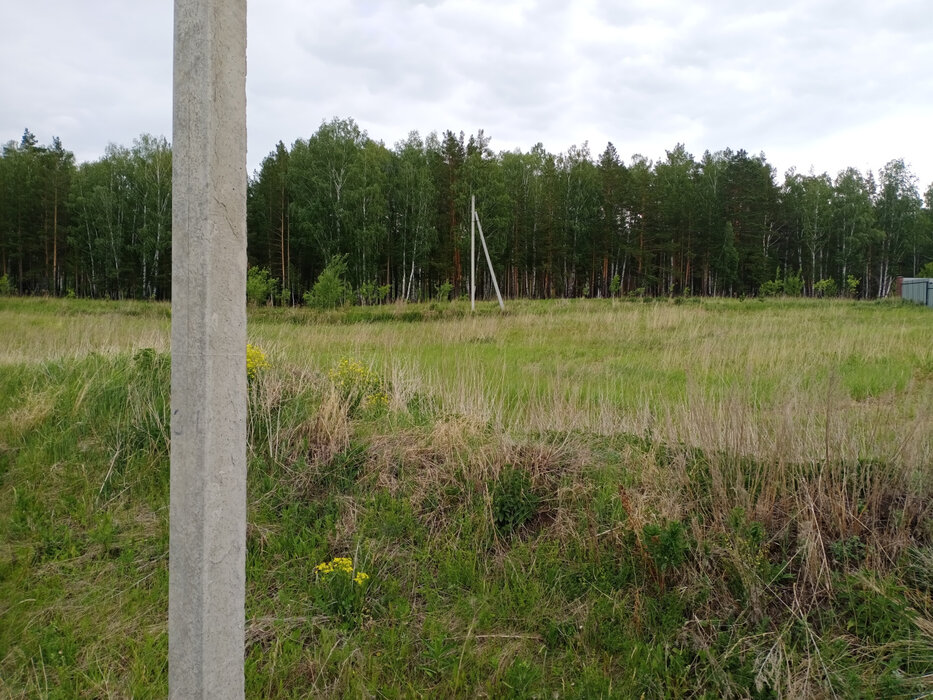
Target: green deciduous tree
411 230
852 221
897 215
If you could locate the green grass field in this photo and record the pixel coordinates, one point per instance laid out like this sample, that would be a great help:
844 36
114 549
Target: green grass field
583 498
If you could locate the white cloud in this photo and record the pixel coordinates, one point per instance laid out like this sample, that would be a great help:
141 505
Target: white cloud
823 82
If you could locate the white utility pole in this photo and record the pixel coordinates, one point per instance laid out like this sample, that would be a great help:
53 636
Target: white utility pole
472 252
207 538
482 239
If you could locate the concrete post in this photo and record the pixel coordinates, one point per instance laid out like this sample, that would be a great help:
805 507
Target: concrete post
207 545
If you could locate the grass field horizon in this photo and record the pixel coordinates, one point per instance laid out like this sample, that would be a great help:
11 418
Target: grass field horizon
795 379
692 497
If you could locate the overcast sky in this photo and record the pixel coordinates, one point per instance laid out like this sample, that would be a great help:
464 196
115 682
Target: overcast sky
821 83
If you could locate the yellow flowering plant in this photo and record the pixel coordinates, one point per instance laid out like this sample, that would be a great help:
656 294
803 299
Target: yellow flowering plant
342 565
359 386
378 400
256 361
341 588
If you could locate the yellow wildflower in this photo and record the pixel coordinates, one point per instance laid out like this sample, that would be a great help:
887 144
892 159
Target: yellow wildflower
256 361
344 565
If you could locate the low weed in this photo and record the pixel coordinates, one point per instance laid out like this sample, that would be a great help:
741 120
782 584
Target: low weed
514 500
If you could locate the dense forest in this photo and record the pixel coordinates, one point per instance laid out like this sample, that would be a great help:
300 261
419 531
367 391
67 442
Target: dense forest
396 221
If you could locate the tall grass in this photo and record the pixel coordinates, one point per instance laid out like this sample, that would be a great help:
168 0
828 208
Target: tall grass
780 379
41 329
711 499
775 379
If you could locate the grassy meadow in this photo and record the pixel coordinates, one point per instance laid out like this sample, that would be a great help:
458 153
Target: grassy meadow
583 498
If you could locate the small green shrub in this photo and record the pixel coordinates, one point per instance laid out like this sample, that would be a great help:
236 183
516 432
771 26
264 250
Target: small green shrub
261 286
370 293
443 290
826 288
771 288
852 283
666 545
331 289
793 284
5 287
514 500
615 285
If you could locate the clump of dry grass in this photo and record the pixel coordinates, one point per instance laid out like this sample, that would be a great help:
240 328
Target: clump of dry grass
301 421
329 433
29 414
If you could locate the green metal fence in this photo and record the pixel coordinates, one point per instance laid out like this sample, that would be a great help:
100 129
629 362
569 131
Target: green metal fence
918 289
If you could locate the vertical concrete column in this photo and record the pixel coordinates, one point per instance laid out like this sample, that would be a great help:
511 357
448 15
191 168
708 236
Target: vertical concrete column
207 546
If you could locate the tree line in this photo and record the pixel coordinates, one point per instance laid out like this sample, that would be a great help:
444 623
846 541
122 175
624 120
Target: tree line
98 229
397 220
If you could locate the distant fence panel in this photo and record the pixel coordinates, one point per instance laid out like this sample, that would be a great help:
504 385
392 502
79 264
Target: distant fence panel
918 289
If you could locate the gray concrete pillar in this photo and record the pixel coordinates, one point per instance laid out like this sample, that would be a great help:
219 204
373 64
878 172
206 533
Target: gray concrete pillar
207 545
